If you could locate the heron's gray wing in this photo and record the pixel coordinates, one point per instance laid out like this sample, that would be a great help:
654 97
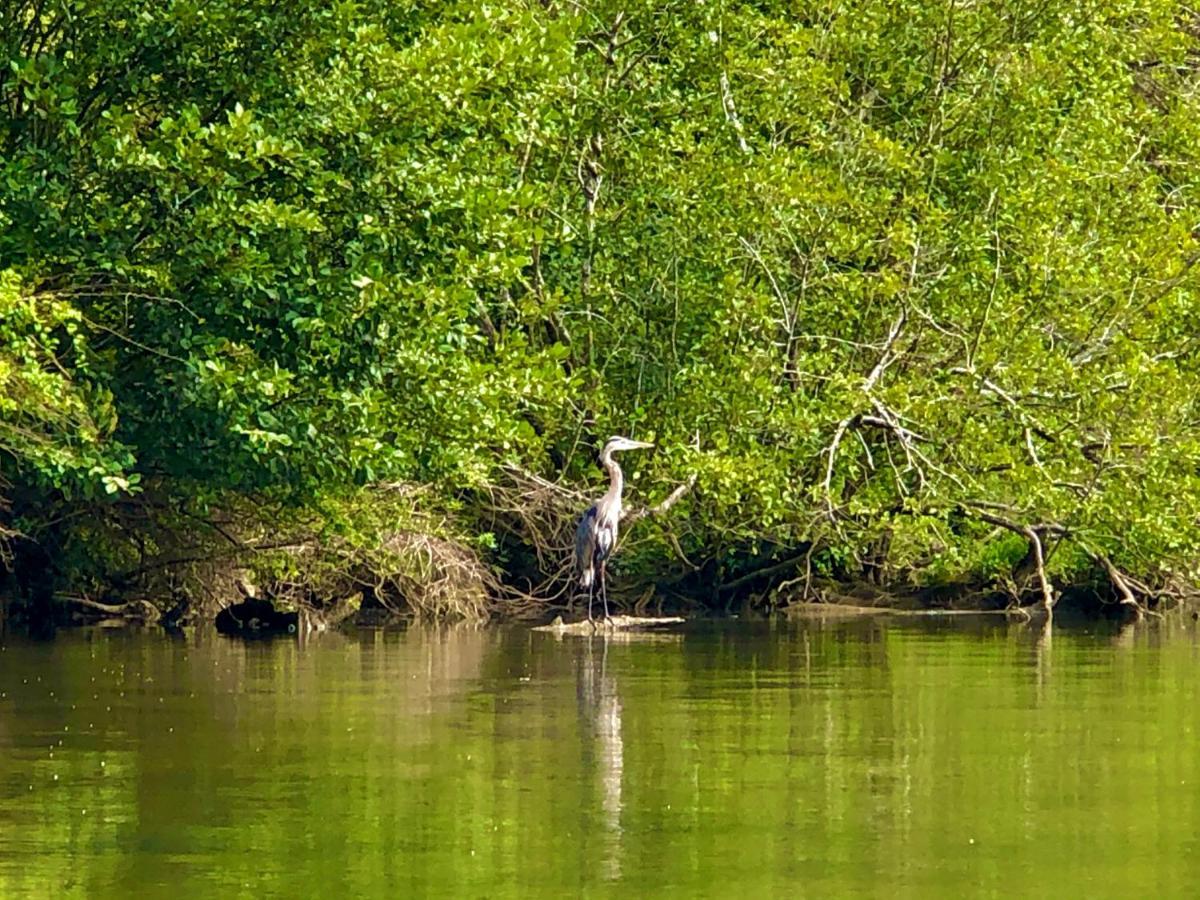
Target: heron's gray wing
585 539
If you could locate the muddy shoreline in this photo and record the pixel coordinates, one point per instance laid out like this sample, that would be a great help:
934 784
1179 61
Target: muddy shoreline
253 617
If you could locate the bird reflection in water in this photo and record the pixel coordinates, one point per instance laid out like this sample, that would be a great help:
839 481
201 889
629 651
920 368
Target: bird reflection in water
599 708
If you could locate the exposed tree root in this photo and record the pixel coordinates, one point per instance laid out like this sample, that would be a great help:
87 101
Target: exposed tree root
1131 592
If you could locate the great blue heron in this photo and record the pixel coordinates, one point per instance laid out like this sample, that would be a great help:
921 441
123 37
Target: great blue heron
596 535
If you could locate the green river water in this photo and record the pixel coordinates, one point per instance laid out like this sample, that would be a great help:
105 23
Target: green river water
734 759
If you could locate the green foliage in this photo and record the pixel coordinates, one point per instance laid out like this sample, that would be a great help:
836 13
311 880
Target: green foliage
859 266
56 424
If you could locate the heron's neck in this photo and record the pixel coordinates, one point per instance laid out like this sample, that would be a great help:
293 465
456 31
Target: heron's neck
616 479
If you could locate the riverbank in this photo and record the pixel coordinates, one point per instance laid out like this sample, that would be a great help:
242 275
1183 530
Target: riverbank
253 616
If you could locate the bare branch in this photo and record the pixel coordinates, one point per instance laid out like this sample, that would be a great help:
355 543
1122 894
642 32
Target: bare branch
885 358
831 450
731 115
784 305
634 515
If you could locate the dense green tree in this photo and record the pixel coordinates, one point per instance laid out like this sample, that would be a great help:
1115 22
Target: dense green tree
909 288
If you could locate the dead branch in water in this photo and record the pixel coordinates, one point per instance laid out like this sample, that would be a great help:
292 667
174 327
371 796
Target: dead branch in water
1031 533
132 609
1118 582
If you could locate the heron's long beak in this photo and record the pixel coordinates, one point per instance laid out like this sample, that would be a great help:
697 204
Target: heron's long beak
640 445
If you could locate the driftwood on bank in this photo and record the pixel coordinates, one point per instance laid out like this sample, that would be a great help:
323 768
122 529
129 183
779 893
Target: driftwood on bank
136 609
616 623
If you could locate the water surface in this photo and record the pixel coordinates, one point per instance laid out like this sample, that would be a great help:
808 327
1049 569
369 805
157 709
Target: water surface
734 759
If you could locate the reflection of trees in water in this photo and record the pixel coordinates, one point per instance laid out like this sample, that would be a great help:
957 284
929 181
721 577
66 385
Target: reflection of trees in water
248 717
599 708
414 672
1043 655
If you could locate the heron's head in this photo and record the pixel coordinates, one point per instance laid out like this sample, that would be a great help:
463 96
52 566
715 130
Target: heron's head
623 443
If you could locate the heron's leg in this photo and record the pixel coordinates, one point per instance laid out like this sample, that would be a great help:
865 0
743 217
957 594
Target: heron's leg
591 591
604 589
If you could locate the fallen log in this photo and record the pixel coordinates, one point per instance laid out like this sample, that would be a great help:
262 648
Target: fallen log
137 609
616 623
